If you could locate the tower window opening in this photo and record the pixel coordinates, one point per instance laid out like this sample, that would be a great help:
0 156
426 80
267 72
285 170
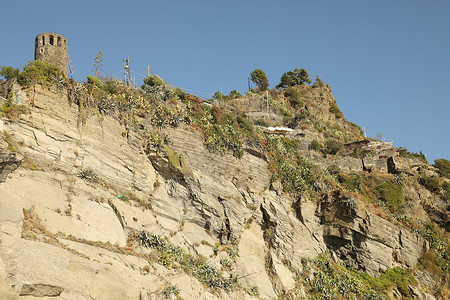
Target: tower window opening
51 40
59 41
43 40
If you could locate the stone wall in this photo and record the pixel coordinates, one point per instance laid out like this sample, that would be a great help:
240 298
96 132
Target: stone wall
52 48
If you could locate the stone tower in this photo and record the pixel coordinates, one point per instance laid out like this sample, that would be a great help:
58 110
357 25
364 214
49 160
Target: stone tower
52 48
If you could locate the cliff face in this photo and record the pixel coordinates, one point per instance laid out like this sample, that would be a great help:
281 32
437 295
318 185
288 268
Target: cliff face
73 214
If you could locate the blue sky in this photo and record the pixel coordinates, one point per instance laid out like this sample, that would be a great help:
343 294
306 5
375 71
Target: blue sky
387 62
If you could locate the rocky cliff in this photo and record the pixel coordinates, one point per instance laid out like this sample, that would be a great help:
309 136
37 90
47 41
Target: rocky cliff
100 206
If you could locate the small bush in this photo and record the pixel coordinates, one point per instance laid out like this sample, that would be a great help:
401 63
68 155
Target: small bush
153 80
244 124
171 290
98 81
446 191
444 167
261 122
12 111
391 194
293 96
181 94
332 146
419 155
234 94
88 175
335 110
351 181
333 169
430 182
39 72
315 145
170 254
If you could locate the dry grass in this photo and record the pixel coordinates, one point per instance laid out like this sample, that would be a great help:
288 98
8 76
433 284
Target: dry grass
33 229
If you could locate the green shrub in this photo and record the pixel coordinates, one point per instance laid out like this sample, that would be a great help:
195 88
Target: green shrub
444 167
335 110
92 79
171 290
332 281
333 169
419 155
446 191
294 96
391 194
38 71
12 111
350 181
218 95
394 277
315 145
88 175
181 94
430 182
198 266
234 94
244 124
9 72
261 122
332 146
438 244
360 153
153 80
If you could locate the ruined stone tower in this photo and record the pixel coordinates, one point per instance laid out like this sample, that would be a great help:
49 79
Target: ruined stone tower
52 48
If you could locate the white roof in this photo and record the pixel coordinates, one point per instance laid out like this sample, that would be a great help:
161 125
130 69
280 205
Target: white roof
280 129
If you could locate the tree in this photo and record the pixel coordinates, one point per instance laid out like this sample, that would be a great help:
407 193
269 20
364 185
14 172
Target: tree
293 78
260 79
38 71
9 72
153 80
234 94
444 166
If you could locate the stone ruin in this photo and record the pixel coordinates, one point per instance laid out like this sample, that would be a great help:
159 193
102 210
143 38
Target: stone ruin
52 48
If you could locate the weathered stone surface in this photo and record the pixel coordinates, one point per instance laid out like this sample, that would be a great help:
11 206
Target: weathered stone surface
368 242
218 200
397 164
374 164
9 161
251 261
41 269
346 164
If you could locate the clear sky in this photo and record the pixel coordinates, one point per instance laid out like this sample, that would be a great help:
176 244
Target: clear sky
387 62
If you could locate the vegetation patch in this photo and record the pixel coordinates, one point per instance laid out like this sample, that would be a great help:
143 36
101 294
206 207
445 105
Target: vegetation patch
173 256
444 167
12 144
294 96
335 110
296 172
12 111
419 156
28 163
178 161
332 146
332 281
41 72
438 244
88 175
390 193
